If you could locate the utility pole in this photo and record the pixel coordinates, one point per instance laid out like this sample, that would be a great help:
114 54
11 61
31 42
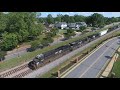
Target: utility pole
17 50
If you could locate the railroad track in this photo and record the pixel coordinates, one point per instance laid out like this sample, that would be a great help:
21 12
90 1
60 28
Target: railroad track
23 70
9 73
23 74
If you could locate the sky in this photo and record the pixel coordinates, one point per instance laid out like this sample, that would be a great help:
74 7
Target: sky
105 14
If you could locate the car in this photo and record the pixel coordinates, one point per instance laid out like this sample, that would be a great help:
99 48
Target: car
64 39
119 42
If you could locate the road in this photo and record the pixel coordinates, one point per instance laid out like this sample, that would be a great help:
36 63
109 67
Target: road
22 52
55 63
94 64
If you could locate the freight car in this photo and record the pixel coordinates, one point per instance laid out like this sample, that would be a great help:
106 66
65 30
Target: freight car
60 51
113 28
47 56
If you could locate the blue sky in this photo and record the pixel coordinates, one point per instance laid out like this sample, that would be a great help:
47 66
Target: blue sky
106 14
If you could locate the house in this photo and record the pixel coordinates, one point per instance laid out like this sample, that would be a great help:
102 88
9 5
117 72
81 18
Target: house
51 26
72 25
61 25
81 24
76 25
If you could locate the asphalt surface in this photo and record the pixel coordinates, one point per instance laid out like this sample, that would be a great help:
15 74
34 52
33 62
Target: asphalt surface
22 52
55 63
95 63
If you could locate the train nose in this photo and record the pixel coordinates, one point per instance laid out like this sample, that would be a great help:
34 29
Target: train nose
31 66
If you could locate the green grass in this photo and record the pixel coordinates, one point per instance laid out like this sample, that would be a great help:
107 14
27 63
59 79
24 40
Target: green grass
56 36
39 38
28 56
116 68
61 31
49 73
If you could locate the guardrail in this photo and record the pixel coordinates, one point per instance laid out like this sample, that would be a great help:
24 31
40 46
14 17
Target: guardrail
78 59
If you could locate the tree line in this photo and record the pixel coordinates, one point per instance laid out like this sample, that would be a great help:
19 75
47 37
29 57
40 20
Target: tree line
95 20
19 27
16 28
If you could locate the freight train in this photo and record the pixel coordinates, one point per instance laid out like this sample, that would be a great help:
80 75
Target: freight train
62 50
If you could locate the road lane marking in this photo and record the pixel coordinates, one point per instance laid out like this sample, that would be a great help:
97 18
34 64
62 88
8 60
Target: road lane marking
96 60
86 58
107 62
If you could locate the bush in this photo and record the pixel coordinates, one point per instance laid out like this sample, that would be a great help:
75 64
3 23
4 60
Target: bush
9 41
93 28
82 28
46 41
69 33
2 55
34 45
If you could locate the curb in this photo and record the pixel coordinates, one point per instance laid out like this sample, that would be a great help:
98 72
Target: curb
83 59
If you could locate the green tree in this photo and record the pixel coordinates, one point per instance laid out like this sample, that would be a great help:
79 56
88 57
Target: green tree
50 19
58 18
71 19
47 40
9 41
97 20
82 28
2 55
34 45
69 33
79 18
54 31
3 21
65 18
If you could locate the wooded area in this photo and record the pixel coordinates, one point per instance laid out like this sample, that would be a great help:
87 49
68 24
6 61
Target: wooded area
19 27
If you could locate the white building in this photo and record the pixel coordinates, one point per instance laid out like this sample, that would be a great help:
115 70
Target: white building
61 25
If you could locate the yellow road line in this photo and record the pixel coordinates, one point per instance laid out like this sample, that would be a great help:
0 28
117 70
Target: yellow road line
86 58
96 60
103 67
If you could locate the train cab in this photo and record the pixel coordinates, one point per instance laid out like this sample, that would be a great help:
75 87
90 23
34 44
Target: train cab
32 65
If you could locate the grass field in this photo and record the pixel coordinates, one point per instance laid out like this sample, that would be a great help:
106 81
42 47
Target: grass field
61 31
116 68
28 56
49 74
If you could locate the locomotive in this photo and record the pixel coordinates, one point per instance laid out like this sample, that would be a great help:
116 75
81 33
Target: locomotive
44 57
62 50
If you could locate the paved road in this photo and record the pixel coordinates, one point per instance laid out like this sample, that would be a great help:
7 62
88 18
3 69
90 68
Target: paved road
24 51
19 53
55 63
94 64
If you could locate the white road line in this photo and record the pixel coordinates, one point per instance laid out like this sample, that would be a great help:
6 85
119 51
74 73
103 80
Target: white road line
104 65
86 58
96 60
